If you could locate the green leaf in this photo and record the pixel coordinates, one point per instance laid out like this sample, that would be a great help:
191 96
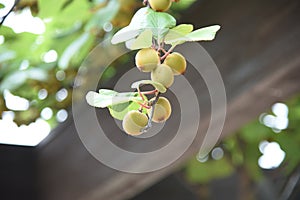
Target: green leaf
104 15
8 55
107 98
204 172
18 78
254 133
144 40
71 50
49 8
159 23
183 28
125 34
107 92
96 2
20 41
157 85
178 32
61 20
67 31
145 18
139 18
82 53
8 33
203 34
120 110
134 28
1 6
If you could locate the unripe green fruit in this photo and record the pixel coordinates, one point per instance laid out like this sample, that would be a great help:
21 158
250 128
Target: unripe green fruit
163 74
160 5
177 63
147 59
162 110
134 122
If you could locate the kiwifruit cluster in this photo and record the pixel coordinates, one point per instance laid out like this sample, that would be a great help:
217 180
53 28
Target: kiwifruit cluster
148 60
135 122
162 70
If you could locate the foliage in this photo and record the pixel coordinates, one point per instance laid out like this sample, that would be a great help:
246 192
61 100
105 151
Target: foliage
162 26
72 29
242 150
203 173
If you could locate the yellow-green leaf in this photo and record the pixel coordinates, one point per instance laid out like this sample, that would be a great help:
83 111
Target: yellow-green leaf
203 34
107 98
157 85
144 40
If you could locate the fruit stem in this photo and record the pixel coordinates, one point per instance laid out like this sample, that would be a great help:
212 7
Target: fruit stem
145 2
163 50
159 45
150 92
149 125
141 95
166 54
143 105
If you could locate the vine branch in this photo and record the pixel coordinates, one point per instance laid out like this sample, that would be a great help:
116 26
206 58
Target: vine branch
149 125
11 9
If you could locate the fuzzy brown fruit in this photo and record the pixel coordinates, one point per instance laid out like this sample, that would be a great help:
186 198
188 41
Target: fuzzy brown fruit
134 122
160 5
147 59
163 74
162 110
177 63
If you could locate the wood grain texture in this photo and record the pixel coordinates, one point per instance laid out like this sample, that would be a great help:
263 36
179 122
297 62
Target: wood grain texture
257 52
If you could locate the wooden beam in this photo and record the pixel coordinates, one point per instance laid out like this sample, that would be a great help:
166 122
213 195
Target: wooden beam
257 53
17 172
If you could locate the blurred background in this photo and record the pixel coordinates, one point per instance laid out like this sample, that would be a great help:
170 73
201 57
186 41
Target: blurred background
42 46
